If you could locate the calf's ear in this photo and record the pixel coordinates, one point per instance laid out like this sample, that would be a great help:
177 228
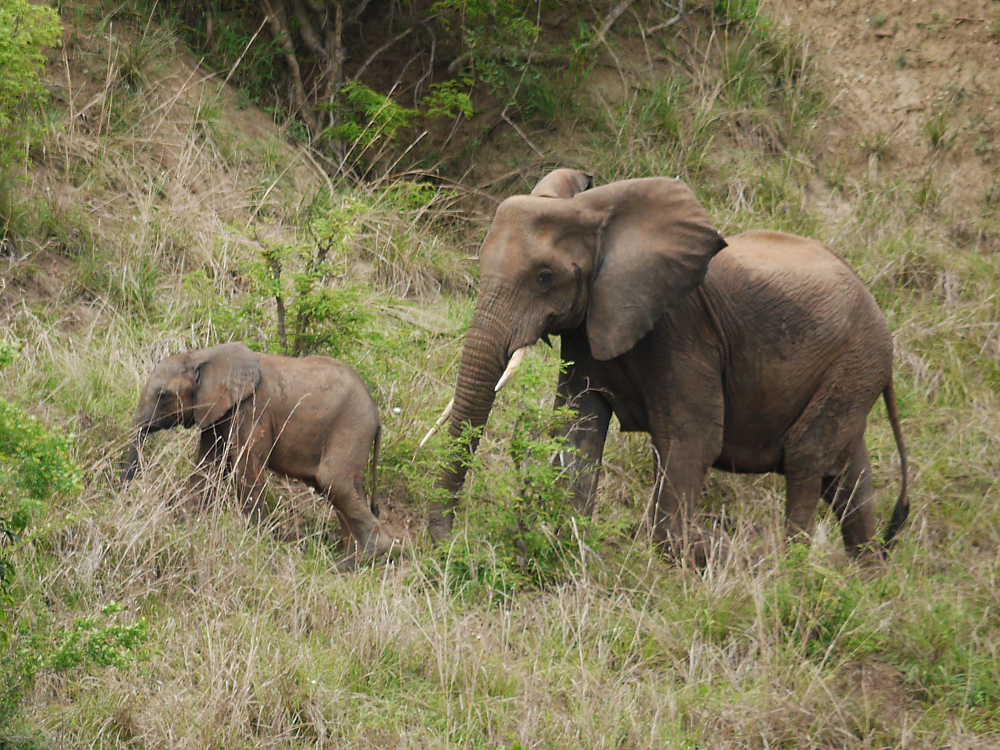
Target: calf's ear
224 376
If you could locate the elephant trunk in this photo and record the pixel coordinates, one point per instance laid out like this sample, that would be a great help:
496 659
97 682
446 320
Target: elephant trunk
484 358
132 459
144 422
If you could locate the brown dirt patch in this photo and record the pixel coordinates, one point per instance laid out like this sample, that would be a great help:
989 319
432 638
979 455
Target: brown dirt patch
912 72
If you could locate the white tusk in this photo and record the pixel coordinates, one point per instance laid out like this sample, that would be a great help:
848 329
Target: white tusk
515 361
440 421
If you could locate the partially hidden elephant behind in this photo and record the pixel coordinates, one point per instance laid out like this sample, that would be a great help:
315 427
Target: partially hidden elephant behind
762 352
309 418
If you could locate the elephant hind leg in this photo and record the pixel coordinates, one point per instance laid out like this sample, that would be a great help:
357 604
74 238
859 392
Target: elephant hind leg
368 538
802 491
850 495
828 436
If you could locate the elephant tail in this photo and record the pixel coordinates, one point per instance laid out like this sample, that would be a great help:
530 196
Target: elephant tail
902 509
376 450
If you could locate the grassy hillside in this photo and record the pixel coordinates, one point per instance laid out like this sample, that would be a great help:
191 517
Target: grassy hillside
165 210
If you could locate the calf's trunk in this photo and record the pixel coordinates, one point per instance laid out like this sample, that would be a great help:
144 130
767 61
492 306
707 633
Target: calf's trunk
132 458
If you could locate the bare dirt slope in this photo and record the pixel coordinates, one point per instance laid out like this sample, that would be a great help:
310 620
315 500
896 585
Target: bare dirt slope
151 151
916 93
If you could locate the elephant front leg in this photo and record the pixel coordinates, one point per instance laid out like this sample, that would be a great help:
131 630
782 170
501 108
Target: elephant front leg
585 435
680 474
249 460
252 489
208 470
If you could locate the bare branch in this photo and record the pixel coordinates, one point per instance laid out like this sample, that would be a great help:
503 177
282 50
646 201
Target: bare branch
356 13
613 16
681 14
309 34
279 31
371 58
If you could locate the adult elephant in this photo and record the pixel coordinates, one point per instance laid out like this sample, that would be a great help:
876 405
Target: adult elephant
310 418
757 353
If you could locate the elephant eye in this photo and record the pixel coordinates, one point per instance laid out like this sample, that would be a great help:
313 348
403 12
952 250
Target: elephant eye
545 279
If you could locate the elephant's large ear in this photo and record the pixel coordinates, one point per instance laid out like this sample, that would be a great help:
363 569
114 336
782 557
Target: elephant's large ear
224 375
563 183
655 245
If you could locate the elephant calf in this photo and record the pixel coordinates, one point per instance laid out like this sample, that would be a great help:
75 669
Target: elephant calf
309 418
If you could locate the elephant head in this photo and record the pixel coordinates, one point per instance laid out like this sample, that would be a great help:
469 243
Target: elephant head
192 388
610 260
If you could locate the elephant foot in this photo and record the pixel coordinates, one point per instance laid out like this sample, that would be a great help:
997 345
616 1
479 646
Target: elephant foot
380 542
193 504
256 509
440 520
867 555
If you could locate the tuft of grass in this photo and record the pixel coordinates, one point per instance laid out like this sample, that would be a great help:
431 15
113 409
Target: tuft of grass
927 192
937 132
142 57
876 146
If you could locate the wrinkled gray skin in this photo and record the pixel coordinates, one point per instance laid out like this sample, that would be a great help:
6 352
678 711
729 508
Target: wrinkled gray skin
759 353
310 418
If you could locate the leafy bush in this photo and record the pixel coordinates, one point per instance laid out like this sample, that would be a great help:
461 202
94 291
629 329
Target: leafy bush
497 37
520 531
25 29
34 464
445 99
38 648
736 11
313 310
368 117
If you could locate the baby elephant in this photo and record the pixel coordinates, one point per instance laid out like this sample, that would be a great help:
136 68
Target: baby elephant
309 418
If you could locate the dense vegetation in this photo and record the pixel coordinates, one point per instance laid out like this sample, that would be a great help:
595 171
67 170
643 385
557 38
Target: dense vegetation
156 209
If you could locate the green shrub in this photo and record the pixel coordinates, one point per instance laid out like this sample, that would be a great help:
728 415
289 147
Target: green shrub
736 11
34 464
314 310
368 117
40 648
519 529
25 29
